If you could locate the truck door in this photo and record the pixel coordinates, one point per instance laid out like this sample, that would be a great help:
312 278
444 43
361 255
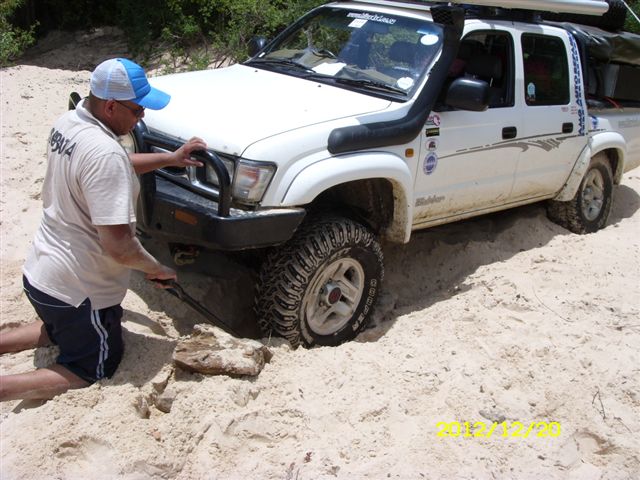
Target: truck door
465 165
550 92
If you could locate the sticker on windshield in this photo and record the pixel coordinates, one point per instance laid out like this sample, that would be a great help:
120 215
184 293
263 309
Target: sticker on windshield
329 68
429 39
405 83
374 17
358 23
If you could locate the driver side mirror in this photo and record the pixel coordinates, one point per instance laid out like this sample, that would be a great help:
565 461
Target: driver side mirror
468 94
256 44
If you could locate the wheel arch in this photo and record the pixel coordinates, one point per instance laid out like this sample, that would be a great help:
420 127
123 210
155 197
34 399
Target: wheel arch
374 188
610 144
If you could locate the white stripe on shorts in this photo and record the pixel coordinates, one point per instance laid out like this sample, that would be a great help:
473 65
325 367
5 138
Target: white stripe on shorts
104 346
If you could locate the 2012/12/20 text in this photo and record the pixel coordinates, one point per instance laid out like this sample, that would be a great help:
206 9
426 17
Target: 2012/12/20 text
503 430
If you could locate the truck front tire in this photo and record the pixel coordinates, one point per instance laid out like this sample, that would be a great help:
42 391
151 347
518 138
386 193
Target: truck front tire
320 288
589 209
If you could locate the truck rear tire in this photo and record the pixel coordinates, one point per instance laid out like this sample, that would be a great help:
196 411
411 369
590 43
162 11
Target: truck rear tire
589 209
320 288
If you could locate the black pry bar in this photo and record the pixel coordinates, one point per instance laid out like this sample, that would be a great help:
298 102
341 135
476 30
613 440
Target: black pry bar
177 291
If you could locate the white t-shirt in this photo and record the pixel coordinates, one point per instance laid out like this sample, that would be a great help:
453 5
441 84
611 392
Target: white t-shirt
89 181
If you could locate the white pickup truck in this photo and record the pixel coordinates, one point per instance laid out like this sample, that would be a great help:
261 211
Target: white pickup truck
366 120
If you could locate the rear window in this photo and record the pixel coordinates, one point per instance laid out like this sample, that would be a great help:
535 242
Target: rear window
546 70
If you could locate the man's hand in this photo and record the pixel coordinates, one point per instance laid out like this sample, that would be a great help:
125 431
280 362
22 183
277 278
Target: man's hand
147 162
182 156
163 273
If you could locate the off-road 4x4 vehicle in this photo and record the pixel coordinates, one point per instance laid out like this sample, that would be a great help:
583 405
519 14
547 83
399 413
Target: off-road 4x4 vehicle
366 120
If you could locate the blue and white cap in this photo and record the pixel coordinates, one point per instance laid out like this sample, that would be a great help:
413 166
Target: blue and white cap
122 79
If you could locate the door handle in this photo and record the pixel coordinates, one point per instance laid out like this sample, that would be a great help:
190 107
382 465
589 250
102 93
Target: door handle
509 133
567 127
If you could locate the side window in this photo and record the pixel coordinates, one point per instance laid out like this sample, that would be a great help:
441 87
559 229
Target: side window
488 56
546 70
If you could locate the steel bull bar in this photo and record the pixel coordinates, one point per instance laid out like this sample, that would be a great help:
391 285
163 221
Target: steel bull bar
178 213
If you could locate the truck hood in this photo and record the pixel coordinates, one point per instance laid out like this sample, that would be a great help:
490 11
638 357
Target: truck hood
234 107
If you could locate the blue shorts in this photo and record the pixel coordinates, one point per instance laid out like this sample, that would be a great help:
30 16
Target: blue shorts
90 341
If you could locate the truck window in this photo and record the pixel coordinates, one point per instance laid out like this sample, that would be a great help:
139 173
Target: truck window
546 70
488 56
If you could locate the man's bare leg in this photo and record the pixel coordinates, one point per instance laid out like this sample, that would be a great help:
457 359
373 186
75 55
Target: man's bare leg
27 336
43 383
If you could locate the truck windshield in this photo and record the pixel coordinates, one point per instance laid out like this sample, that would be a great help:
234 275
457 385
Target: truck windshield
373 52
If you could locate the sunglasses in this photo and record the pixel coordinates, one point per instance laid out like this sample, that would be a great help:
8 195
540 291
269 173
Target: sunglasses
138 112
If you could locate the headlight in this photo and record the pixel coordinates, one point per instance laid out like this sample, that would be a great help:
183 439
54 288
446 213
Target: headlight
128 143
251 180
210 173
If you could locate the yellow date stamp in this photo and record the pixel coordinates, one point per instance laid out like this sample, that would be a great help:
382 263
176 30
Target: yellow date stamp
498 430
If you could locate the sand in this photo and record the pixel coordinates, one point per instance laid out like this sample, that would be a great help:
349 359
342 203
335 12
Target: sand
505 317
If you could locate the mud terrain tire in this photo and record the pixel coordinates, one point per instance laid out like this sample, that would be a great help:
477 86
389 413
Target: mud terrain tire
589 209
320 288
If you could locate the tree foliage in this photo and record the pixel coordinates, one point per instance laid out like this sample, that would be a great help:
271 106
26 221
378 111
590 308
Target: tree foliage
13 39
632 24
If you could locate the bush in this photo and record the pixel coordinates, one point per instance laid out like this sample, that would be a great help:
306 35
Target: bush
632 24
13 40
199 32
203 32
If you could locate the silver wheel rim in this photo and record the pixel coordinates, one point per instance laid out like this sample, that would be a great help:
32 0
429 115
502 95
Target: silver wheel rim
333 296
593 195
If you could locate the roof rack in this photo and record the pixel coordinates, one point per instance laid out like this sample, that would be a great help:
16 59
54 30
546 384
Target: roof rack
604 14
582 7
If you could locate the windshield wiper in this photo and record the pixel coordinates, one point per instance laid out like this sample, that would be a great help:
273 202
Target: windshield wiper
280 62
370 84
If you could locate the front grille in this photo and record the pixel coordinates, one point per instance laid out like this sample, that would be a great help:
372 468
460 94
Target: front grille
195 178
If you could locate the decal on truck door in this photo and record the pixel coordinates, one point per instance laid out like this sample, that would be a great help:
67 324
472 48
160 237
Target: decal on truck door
577 82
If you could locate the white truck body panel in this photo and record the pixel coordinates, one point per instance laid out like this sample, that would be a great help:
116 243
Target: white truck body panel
207 106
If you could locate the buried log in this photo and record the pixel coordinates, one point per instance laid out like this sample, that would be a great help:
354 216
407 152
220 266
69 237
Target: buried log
211 351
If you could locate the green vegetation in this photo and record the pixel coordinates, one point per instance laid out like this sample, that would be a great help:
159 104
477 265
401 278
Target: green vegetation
632 24
13 40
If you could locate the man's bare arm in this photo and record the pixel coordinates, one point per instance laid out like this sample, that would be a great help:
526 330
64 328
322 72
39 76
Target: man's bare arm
121 244
147 162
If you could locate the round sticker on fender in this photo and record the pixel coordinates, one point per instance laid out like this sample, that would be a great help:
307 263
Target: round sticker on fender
430 163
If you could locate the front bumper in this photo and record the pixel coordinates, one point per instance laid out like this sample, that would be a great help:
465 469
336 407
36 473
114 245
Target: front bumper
173 213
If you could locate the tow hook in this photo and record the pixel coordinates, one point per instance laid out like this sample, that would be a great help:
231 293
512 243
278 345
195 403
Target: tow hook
184 254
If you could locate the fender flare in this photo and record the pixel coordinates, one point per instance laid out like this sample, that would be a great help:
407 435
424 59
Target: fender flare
598 143
330 172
